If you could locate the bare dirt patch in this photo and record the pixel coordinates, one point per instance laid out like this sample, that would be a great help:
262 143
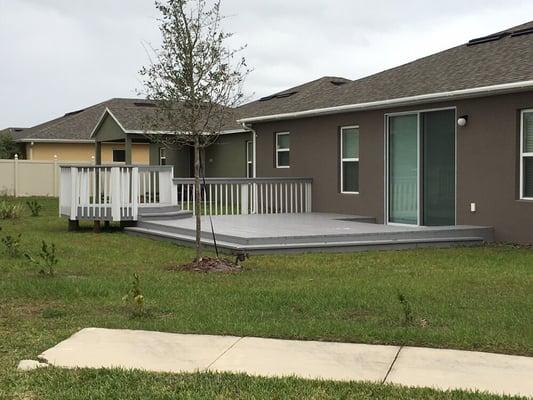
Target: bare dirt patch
209 264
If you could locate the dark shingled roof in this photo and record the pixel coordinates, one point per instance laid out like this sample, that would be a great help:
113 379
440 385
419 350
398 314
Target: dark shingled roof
76 125
507 60
150 118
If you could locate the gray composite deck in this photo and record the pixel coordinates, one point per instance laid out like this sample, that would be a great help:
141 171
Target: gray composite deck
308 232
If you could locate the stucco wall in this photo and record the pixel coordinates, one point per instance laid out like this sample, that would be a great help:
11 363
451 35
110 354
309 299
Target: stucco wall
487 162
83 152
227 157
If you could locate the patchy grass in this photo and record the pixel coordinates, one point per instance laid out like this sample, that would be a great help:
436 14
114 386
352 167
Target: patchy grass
466 298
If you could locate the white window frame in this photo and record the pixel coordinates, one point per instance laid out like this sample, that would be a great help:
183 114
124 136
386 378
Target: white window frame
343 160
523 154
161 157
249 157
278 150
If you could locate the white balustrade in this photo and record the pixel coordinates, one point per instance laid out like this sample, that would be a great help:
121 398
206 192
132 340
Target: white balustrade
113 192
242 196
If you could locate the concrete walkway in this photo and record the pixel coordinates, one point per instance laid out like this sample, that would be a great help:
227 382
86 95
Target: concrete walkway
409 366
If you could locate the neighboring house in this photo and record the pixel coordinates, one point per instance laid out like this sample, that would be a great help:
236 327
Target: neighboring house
68 138
128 124
443 140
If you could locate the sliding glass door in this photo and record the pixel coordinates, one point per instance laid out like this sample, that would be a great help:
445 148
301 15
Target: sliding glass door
403 169
421 168
438 166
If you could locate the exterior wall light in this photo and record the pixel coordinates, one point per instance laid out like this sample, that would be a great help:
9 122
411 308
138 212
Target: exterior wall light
462 121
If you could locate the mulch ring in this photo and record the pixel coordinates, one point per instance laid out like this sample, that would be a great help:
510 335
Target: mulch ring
209 264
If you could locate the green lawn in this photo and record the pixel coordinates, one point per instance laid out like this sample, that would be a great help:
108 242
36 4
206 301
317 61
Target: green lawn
471 298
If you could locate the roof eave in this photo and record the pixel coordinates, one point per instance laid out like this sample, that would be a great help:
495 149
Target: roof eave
38 140
402 101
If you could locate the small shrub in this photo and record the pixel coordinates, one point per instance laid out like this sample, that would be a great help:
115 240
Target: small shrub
34 207
408 318
47 259
135 296
10 210
13 245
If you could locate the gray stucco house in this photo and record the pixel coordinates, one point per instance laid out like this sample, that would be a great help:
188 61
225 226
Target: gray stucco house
443 140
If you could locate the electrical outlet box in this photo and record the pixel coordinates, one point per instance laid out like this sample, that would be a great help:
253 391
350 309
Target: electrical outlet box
473 207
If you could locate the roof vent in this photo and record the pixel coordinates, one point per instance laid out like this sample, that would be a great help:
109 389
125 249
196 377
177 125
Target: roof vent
522 32
338 83
143 104
486 39
74 112
277 96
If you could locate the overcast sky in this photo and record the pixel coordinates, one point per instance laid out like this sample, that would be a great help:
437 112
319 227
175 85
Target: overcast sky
61 55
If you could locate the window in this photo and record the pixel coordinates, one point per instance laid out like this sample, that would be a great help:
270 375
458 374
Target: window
162 156
349 168
249 159
526 158
282 149
119 156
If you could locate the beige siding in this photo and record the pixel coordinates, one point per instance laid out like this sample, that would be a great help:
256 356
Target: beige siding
83 152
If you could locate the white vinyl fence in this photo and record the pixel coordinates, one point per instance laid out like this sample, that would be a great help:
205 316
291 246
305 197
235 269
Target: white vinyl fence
22 178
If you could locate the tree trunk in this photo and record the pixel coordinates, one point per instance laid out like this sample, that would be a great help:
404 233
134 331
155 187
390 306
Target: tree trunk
197 199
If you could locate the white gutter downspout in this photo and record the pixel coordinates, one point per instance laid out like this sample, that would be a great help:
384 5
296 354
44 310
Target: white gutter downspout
254 145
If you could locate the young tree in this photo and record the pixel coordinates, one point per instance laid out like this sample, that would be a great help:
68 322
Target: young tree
195 79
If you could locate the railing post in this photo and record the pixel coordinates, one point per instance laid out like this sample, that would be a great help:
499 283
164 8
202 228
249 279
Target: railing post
173 189
115 183
309 197
244 198
135 193
255 198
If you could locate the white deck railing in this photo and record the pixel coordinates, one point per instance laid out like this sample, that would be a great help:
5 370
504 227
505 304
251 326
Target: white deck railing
113 192
241 196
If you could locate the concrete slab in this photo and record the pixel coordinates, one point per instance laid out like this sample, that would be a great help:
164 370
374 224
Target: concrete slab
408 366
453 369
311 360
151 351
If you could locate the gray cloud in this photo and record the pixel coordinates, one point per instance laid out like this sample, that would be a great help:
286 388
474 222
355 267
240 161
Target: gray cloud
60 55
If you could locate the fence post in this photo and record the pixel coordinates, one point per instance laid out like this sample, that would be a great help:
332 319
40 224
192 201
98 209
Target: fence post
55 186
74 193
15 174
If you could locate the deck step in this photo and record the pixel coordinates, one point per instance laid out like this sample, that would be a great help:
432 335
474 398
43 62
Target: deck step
316 246
161 213
158 216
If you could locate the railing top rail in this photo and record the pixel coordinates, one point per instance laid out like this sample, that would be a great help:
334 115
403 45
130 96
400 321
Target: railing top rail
140 166
179 181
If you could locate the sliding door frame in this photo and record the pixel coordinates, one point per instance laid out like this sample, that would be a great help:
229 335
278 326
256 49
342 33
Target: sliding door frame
420 193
